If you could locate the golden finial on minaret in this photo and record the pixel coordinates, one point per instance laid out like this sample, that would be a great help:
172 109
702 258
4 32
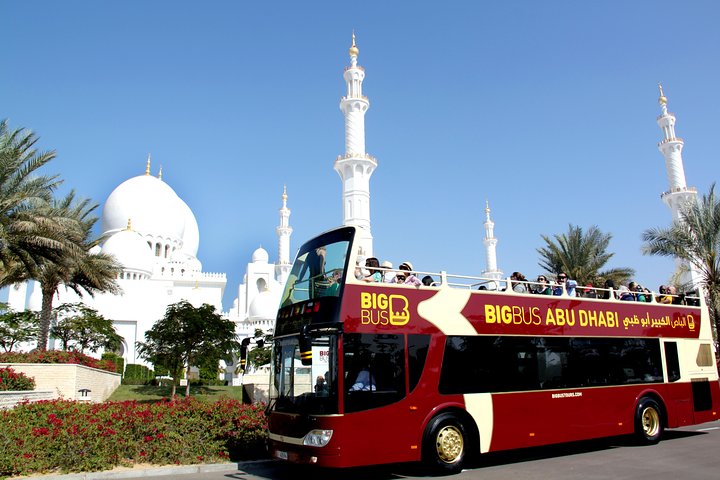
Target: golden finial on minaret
662 100
160 173
354 50
284 195
129 225
147 167
487 206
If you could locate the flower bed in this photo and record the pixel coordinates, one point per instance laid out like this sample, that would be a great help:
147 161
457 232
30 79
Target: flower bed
67 436
57 356
15 381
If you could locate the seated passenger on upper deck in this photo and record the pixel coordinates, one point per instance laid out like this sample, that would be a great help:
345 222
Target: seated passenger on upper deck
372 265
625 294
542 286
564 283
519 282
406 275
388 275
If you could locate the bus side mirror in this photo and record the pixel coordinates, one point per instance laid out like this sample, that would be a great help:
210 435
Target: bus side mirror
243 353
305 347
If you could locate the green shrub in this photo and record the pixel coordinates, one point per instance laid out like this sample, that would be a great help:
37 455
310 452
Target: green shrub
136 374
116 359
66 436
12 381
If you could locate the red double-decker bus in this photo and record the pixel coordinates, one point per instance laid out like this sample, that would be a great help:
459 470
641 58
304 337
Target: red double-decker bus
371 373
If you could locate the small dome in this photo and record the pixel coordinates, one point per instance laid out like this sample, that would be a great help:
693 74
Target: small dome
260 256
130 250
263 307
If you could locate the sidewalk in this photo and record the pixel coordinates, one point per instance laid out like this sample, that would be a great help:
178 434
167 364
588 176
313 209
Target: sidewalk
141 471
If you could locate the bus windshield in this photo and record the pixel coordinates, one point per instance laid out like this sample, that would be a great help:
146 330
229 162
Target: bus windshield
318 270
306 389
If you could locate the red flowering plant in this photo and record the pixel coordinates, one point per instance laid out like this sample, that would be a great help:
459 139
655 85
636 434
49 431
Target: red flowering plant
68 436
10 380
57 356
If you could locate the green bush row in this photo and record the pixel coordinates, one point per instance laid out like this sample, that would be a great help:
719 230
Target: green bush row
66 436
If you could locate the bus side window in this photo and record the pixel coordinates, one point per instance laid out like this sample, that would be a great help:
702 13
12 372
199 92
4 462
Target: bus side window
672 361
417 354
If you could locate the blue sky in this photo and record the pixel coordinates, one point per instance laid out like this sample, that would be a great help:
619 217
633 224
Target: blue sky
545 109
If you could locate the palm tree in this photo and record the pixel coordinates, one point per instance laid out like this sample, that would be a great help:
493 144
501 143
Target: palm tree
695 239
79 269
581 255
29 234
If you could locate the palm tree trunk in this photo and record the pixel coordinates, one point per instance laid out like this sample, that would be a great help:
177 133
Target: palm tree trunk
45 318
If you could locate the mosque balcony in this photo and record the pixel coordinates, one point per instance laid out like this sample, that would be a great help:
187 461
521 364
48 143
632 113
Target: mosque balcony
356 156
356 67
677 190
671 140
665 115
350 99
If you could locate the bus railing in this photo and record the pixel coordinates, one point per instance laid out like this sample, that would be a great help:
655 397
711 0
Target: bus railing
505 285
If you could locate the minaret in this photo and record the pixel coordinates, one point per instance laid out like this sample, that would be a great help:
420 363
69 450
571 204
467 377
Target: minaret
490 243
284 230
355 167
679 193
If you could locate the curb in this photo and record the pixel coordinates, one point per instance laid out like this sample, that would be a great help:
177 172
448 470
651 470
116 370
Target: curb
143 472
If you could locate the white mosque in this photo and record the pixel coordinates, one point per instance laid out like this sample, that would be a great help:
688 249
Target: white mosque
153 233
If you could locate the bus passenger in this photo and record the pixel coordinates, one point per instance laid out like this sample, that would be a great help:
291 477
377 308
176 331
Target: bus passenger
427 280
374 275
388 275
406 275
564 283
518 282
364 382
663 297
542 287
589 291
625 294
609 287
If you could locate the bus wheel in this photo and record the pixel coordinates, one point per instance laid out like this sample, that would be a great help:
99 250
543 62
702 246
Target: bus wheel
445 444
648 421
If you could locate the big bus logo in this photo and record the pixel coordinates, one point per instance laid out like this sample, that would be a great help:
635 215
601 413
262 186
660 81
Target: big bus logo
382 309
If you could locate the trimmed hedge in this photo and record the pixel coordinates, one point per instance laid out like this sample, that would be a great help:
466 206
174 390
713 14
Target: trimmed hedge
136 374
68 436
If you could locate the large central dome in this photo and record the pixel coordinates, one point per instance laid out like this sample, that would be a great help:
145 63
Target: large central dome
154 209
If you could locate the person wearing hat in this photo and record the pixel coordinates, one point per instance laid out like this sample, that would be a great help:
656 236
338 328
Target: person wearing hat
388 275
406 275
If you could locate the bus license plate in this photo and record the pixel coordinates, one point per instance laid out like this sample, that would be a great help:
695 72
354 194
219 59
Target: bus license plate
281 455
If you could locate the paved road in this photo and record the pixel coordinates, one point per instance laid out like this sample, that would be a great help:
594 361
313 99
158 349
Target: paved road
691 453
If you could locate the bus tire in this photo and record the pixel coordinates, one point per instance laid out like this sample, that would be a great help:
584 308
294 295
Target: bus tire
649 422
445 444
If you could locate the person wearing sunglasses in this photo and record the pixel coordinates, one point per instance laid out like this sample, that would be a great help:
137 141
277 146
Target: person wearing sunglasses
564 283
542 287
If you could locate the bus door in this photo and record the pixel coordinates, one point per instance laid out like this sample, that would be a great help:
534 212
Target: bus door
374 385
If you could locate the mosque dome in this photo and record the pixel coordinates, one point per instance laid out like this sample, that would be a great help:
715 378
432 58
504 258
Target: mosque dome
260 256
191 234
154 207
263 307
130 250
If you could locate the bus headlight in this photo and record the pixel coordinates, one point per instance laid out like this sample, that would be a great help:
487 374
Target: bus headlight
317 438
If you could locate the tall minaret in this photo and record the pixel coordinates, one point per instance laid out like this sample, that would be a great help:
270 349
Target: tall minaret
284 230
679 193
355 167
490 242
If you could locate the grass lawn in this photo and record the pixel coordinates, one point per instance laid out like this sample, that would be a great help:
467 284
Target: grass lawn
148 393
